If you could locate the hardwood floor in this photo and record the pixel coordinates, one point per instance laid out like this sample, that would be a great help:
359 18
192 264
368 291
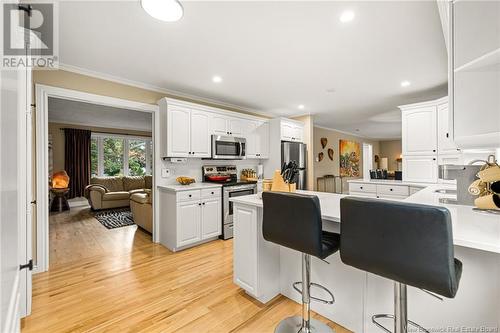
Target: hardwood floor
129 284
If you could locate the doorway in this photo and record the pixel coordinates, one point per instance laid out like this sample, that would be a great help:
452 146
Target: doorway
113 153
367 160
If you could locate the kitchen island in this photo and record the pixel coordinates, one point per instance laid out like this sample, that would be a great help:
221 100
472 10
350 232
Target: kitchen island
266 270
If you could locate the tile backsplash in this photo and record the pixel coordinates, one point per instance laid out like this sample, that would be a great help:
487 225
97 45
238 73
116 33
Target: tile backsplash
192 168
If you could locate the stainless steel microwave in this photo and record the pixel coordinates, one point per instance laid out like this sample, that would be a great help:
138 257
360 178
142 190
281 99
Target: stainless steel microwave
228 148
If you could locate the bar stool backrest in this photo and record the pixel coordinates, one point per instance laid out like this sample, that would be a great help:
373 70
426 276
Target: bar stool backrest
408 243
294 221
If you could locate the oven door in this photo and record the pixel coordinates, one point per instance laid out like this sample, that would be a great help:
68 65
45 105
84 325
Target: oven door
232 192
228 147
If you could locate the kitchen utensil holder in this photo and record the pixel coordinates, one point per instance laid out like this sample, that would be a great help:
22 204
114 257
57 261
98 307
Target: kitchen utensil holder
279 184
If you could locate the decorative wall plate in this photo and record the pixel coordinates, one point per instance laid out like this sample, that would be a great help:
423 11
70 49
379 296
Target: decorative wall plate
324 141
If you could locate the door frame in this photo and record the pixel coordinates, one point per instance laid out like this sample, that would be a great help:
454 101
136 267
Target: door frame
43 92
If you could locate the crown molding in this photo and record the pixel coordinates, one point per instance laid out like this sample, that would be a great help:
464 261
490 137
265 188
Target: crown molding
168 92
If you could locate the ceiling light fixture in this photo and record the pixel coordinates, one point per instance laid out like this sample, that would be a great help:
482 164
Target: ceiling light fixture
164 10
217 79
347 16
405 83
301 107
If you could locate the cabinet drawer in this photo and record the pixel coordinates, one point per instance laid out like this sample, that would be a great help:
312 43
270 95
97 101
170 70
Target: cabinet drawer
393 190
211 193
188 195
363 188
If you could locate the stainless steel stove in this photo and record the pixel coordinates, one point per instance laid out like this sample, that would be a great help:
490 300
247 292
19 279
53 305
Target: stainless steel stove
227 175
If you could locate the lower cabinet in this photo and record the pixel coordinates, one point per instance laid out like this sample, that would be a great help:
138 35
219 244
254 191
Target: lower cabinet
422 169
256 261
189 217
382 191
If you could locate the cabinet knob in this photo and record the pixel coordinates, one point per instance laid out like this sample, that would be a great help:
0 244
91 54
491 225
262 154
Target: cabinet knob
361 187
433 159
203 204
199 204
447 135
434 150
190 195
212 192
390 190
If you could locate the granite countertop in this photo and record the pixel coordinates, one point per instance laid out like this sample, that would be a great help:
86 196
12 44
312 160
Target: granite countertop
194 186
471 229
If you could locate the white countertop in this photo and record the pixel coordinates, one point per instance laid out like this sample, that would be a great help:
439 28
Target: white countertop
194 186
387 182
472 229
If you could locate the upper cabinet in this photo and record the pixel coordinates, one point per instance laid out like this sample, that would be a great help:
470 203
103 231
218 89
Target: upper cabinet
292 131
446 145
186 130
474 82
224 125
419 130
257 136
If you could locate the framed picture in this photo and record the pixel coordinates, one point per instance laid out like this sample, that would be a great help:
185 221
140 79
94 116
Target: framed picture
349 158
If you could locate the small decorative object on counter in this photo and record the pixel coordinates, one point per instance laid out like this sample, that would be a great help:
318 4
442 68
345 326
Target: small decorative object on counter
267 184
248 175
185 180
487 187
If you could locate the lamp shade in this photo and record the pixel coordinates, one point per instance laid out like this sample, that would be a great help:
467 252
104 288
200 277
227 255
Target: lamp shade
384 163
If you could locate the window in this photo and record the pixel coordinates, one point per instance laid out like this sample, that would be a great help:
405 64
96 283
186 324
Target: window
117 155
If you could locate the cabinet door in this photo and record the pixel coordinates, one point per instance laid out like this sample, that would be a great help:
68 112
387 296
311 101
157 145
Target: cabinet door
219 125
263 140
297 133
286 131
446 145
211 222
420 169
420 131
200 134
188 223
236 127
245 248
179 131
251 135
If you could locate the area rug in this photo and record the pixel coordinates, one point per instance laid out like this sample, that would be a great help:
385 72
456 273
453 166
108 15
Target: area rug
115 218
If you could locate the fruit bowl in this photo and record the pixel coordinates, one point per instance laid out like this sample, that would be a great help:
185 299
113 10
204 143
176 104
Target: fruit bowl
185 180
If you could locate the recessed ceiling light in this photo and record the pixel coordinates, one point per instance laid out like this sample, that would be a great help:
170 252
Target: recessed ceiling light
217 79
301 106
164 10
347 16
405 83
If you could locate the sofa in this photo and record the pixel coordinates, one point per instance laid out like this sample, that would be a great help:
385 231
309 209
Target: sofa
115 192
142 211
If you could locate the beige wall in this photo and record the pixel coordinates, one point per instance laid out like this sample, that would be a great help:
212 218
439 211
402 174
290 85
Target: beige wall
327 166
392 150
309 140
58 139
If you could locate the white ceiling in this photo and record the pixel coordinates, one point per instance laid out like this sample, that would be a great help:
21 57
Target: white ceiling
86 114
272 56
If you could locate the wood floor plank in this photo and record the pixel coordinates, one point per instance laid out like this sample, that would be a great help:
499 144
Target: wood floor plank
117 280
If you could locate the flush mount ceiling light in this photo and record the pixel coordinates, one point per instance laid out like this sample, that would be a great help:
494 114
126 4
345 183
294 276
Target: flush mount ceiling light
405 83
301 107
164 10
217 79
347 16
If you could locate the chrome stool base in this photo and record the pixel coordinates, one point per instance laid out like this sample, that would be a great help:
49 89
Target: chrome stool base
294 325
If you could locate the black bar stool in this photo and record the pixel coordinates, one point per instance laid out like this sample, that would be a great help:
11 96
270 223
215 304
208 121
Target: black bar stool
294 221
408 243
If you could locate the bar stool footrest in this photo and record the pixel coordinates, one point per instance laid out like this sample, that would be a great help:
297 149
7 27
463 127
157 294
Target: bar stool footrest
324 301
385 316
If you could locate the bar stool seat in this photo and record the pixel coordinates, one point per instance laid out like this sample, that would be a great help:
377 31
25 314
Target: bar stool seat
294 221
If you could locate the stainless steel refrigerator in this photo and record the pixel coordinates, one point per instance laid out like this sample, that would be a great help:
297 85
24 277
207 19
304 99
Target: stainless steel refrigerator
296 151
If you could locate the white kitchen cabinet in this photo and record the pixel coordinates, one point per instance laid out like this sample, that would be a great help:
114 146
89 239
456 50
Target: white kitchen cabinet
185 131
382 191
292 131
189 217
446 145
200 134
211 225
419 130
225 125
178 131
256 261
257 136
189 223
422 169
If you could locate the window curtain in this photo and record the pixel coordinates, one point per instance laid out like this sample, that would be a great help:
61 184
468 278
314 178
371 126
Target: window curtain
77 160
